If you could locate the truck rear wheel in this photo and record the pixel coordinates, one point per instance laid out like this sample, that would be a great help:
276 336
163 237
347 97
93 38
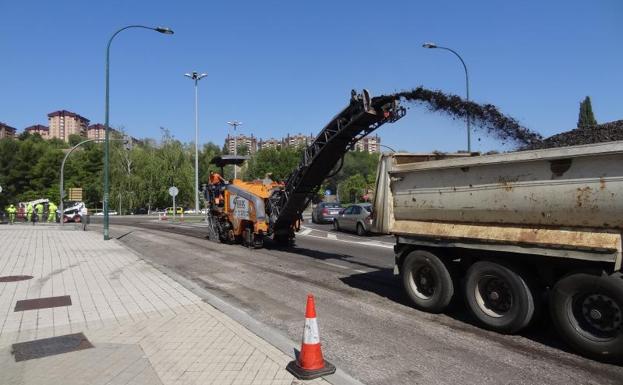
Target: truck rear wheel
499 297
588 313
427 281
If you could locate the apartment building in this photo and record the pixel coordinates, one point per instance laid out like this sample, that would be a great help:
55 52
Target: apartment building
241 140
63 123
370 144
269 143
299 140
96 131
40 129
6 131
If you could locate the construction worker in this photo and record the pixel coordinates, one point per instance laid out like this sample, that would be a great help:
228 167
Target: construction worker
84 217
216 181
39 209
28 212
52 212
11 210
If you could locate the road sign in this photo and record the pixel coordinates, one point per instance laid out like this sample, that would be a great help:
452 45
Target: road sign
0 189
75 194
173 192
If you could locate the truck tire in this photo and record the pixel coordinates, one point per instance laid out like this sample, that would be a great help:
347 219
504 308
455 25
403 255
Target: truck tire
427 281
587 311
499 297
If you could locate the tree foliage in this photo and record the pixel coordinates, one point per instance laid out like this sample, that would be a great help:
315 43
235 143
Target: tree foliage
357 173
278 161
141 176
586 117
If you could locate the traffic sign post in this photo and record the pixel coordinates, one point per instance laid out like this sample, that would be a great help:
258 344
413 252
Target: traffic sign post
173 191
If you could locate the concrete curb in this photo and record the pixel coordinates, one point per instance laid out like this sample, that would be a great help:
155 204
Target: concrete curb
267 333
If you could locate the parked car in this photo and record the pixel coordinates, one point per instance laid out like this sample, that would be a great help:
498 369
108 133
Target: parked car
357 217
325 212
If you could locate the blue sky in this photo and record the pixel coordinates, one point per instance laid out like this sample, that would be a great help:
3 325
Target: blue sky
289 66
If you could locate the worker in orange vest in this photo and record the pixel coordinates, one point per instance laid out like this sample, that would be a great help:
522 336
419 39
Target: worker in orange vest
216 181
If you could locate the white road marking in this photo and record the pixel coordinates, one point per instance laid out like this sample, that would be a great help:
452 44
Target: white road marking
306 231
334 265
384 245
343 267
331 236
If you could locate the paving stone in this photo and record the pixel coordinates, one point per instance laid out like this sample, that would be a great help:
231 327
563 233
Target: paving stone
145 327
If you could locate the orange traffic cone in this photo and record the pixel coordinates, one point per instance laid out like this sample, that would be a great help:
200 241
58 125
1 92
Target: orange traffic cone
310 363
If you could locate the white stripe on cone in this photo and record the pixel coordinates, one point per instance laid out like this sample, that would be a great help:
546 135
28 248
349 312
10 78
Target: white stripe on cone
310 333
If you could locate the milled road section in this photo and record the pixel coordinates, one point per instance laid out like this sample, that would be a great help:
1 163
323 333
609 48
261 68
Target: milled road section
367 327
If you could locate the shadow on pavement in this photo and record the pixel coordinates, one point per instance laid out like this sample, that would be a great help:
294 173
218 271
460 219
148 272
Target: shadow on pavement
317 254
383 283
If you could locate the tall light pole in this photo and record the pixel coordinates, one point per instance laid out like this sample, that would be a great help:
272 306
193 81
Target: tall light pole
387 147
469 134
164 30
196 77
235 124
62 182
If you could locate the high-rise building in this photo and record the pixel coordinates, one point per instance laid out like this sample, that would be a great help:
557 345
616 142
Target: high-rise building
269 143
40 129
6 131
299 140
370 144
64 123
96 131
241 140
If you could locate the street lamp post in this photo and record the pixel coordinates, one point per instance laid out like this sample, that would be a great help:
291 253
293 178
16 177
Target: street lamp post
235 125
433 45
196 77
387 147
62 182
164 30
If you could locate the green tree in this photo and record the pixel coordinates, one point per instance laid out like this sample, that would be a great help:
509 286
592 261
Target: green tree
355 163
278 161
206 154
352 189
586 117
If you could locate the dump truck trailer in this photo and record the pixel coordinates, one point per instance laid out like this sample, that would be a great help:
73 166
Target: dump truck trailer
507 231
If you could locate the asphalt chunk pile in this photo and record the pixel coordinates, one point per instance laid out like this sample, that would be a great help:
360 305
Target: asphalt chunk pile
485 116
606 132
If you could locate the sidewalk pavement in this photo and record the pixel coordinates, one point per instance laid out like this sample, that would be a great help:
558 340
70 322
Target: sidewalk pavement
144 327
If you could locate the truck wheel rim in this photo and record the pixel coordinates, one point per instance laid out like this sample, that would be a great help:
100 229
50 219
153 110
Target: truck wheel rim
598 315
493 296
423 281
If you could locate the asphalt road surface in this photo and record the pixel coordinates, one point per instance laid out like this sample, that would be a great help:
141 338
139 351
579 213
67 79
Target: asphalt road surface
367 326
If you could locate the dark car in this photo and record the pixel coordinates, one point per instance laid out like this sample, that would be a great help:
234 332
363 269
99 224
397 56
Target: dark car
140 211
326 212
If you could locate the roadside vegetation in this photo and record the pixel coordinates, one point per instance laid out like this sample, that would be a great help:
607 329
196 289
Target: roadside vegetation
141 175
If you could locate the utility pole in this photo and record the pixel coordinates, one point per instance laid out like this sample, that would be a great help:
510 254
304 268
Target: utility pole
235 125
196 77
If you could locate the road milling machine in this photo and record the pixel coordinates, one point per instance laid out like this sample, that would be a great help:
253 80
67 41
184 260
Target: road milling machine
247 212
